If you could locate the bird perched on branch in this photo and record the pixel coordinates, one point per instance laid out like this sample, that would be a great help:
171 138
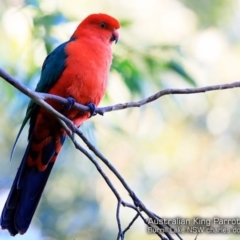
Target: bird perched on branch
77 70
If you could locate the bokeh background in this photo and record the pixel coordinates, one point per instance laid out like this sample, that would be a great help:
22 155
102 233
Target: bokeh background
180 154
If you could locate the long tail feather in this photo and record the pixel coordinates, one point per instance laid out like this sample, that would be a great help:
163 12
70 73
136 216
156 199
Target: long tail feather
27 188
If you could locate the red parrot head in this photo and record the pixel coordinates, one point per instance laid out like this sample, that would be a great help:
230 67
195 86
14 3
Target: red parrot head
99 25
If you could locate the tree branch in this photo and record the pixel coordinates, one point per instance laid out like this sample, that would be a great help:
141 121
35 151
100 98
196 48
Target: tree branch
71 129
37 97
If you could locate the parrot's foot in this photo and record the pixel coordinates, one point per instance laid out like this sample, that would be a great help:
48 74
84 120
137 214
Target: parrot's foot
70 103
92 108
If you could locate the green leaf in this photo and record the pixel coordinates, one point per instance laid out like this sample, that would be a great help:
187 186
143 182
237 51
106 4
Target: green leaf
130 74
178 68
50 20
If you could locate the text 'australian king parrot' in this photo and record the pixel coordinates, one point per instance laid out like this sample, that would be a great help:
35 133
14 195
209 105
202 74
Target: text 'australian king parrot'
77 70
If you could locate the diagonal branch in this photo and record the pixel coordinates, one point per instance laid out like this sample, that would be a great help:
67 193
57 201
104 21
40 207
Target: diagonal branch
131 223
71 129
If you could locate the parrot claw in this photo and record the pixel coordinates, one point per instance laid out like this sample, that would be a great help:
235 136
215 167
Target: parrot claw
70 103
92 108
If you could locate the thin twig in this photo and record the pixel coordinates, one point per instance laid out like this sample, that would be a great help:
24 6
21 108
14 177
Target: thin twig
147 223
130 224
105 177
170 227
196 236
120 234
104 159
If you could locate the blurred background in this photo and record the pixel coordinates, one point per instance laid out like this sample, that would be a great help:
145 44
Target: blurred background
180 154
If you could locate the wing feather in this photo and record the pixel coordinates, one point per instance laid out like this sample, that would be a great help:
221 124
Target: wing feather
52 68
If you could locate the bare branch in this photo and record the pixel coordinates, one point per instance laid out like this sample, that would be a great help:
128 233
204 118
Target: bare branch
169 91
131 223
120 233
147 223
168 226
101 110
105 177
71 129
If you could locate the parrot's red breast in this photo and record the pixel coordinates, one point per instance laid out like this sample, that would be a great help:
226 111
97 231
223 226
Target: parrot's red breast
77 69
88 63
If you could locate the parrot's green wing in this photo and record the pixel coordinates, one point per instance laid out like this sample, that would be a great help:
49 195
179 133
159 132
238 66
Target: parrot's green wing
52 69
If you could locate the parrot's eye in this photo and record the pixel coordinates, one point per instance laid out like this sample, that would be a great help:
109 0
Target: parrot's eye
103 25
